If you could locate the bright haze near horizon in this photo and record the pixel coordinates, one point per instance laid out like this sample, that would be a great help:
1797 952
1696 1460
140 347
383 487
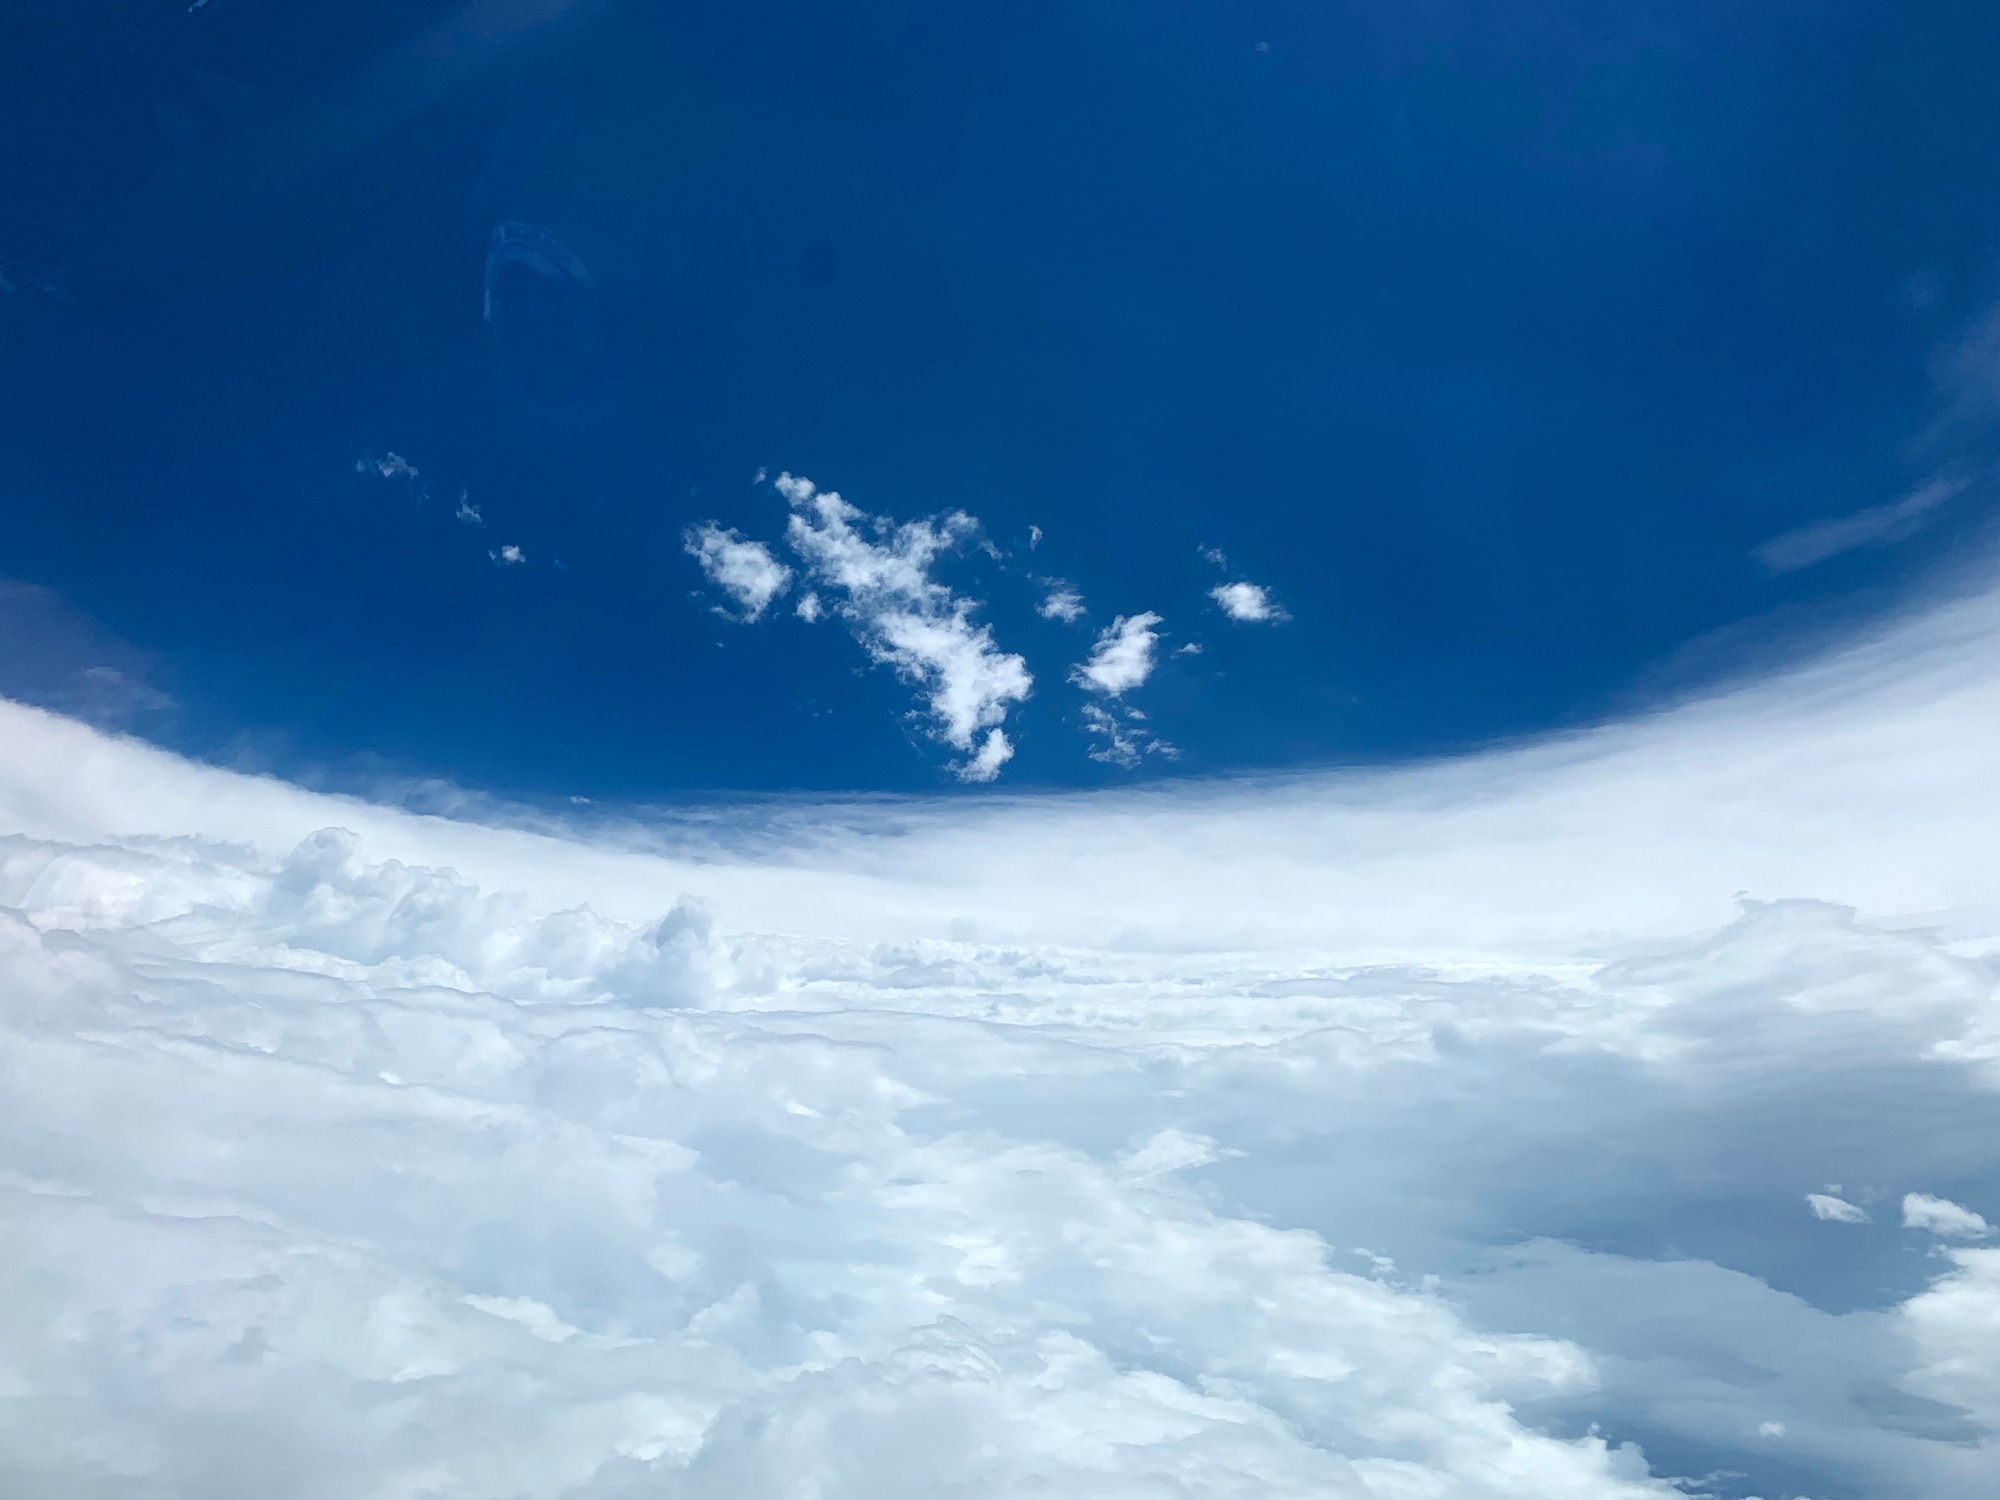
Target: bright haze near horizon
881 748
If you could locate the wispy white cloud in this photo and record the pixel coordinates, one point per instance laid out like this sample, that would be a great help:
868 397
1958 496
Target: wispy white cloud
1890 522
907 620
743 569
1123 735
1942 1217
1123 657
1248 602
386 466
508 555
467 512
1835 1210
1062 602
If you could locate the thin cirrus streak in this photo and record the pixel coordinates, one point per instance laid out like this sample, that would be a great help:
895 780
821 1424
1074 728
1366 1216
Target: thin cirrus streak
1336 1135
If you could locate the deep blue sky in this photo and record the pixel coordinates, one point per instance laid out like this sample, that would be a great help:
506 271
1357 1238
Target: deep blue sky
1492 339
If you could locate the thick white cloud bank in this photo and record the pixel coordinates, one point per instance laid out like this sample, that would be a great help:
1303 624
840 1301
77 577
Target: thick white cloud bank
1546 1124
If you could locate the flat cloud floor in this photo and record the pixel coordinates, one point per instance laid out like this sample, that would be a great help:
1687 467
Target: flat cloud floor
329 1171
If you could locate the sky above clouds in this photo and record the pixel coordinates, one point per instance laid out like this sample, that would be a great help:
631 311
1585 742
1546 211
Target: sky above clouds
1436 376
775 749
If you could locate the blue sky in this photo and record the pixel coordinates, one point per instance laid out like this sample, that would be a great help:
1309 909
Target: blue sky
1494 345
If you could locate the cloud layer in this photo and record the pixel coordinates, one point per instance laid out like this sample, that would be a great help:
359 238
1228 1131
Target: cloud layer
1385 1137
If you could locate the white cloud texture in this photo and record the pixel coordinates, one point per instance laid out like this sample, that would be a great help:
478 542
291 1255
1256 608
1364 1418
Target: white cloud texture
1062 602
1834 1210
1123 735
1358 1137
386 466
1247 602
1942 1217
1123 657
905 619
745 570
508 556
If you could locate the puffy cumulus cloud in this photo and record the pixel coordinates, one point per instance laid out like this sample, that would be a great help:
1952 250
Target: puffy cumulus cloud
1250 603
1942 1217
376 1183
907 620
1430 1135
743 569
507 556
1955 1327
1123 657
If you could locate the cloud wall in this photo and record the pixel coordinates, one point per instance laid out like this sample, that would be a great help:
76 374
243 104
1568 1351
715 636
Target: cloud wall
1461 1131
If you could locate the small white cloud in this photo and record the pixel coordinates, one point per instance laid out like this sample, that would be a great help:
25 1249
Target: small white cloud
809 608
907 620
1192 648
1063 603
1122 659
1942 1217
508 555
1248 602
468 512
743 569
1807 545
1835 1210
1034 537
386 466
1770 1429
993 753
1214 555
1123 735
